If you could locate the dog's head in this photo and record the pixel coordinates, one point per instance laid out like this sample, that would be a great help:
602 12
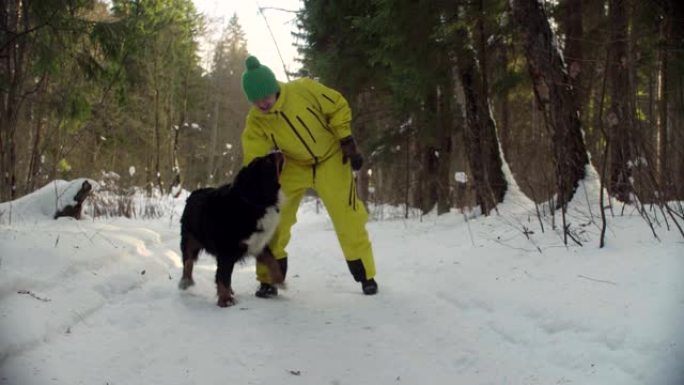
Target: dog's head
258 181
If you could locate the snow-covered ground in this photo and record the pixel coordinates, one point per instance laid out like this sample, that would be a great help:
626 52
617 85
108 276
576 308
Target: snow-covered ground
460 302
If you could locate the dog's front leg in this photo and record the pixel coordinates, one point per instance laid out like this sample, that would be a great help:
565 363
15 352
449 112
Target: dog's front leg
224 290
266 257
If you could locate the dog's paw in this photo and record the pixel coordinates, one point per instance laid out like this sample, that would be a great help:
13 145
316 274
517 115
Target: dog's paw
225 302
185 283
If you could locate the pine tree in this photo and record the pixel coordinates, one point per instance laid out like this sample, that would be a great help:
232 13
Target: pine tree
229 104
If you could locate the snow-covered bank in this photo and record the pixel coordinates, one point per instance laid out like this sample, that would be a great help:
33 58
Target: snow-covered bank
43 203
96 302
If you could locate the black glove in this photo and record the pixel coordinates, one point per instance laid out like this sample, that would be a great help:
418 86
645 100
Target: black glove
350 152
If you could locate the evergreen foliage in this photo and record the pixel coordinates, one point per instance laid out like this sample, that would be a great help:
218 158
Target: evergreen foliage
436 88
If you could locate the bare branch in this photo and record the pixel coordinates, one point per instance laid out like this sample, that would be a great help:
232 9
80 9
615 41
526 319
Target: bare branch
672 215
274 41
596 280
28 292
262 9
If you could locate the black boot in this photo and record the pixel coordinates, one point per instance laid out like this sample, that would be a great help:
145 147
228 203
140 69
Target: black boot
266 291
369 287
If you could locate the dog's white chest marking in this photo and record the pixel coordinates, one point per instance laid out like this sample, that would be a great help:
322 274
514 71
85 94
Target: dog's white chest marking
266 226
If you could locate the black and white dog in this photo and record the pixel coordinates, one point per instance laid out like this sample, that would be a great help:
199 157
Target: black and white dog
233 221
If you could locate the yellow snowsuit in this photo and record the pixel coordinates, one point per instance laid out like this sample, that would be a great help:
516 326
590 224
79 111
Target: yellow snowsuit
306 123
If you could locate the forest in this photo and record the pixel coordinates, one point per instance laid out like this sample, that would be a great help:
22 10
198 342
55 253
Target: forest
446 96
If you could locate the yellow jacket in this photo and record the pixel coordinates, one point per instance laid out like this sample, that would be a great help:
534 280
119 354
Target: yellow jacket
306 123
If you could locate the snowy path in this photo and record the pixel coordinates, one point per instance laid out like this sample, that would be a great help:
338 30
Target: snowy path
451 310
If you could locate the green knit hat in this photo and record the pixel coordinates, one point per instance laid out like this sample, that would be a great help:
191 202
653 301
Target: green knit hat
258 80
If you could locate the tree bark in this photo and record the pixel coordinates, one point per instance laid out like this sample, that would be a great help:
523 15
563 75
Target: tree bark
482 147
428 182
446 123
14 19
34 162
427 197
177 181
504 125
213 143
482 47
157 128
664 182
573 52
37 145
620 119
676 102
555 96
407 172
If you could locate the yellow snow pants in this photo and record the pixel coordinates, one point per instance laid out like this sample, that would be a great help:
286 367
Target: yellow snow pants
335 184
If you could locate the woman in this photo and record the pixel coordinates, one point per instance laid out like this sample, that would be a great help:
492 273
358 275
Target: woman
311 124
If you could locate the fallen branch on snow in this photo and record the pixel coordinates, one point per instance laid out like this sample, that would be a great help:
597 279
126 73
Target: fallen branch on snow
28 292
597 280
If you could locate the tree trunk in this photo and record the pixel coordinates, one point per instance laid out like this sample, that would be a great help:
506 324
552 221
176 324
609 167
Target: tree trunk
555 97
363 179
664 181
573 53
482 147
428 178
360 134
157 142
482 47
211 164
34 162
446 124
157 128
177 181
38 144
428 182
620 119
504 124
676 101
14 18
407 172
592 73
